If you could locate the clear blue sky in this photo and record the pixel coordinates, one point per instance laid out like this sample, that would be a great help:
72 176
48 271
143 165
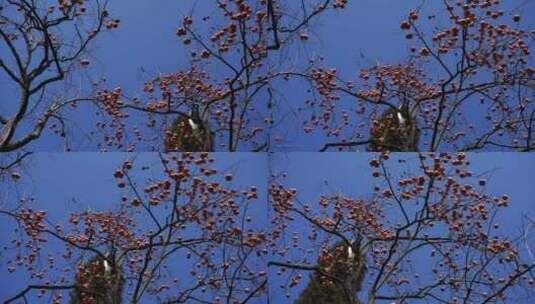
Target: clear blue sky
145 44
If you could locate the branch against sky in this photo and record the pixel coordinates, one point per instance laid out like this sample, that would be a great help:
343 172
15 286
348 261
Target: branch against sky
44 46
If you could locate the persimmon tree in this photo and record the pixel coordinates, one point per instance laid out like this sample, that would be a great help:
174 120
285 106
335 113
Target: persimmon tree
468 82
184 235
43 45
239 57
429 234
